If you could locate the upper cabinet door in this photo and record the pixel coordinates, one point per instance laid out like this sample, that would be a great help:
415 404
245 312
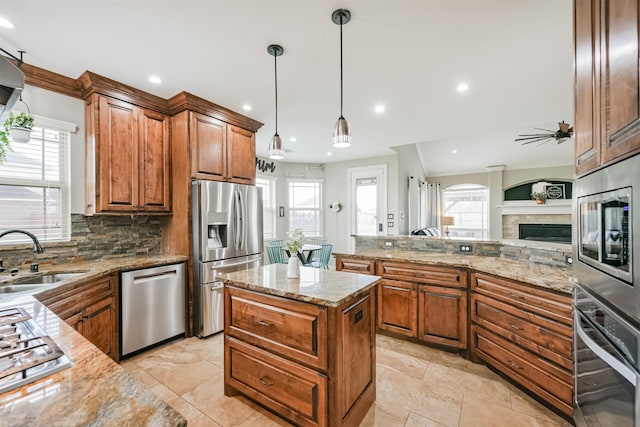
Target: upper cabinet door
620 84
154 162
208 148
241 146
587 103
117 151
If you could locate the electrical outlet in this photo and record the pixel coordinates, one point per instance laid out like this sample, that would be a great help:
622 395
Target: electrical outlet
465 248
388 244
568 259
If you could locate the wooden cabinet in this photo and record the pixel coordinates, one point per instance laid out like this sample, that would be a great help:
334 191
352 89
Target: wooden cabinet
422 301
129 148
398 307
525 333
443 315
355 264
607 81
91 309
221 151
311 364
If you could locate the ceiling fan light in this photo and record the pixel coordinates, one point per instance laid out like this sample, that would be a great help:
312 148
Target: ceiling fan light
276 150
341 133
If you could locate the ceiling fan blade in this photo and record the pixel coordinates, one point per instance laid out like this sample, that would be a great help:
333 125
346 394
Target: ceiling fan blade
536 140
532 137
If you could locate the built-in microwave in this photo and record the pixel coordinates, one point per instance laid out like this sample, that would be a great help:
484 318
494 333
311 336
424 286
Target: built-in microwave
606 228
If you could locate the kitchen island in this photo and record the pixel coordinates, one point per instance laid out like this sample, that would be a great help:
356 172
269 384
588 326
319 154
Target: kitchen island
305 347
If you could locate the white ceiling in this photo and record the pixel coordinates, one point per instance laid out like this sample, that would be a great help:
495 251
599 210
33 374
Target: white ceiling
410 55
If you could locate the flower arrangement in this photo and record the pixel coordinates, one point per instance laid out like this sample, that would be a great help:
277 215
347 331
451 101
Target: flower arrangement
294 242
540 197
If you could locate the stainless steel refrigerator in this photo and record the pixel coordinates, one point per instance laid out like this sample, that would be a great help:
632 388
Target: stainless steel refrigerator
227 227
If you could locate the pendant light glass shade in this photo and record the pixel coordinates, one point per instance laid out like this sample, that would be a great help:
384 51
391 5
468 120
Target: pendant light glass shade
341 131
276 148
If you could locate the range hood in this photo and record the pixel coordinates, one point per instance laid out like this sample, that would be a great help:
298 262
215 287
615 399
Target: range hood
11 86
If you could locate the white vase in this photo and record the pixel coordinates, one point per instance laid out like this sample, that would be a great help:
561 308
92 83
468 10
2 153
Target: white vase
293 267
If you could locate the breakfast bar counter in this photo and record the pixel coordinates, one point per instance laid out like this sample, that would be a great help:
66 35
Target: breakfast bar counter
303 347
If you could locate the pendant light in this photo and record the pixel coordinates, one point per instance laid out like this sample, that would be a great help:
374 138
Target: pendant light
341 132
276 149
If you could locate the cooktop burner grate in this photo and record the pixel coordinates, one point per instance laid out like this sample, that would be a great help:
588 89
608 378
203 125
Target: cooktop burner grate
26 352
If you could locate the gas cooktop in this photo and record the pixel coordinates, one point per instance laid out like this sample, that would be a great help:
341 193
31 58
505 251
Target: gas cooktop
27 354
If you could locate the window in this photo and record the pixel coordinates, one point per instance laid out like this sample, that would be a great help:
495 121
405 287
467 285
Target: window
268 186
34 186
305 206
468 205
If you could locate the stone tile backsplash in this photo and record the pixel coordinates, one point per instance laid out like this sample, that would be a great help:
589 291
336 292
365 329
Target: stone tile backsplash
552 255
94 237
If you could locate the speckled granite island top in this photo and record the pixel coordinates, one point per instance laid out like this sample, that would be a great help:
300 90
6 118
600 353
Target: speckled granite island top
556 279
315 285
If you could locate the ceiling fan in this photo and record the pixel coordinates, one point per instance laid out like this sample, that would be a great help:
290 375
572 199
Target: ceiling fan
561 135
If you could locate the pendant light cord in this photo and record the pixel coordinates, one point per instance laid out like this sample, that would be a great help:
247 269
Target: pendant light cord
341 94
275 74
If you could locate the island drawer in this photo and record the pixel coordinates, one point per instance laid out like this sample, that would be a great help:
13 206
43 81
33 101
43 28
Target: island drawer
293 391
545 379
417 273
289 328
355 265
539 301
71 301
540 335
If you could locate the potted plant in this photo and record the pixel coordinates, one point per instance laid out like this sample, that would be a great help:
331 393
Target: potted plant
19 126
541 198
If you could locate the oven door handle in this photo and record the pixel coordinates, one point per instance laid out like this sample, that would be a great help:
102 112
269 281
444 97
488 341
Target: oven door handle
604 355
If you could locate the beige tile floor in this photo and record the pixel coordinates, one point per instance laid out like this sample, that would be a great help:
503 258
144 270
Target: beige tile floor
416 386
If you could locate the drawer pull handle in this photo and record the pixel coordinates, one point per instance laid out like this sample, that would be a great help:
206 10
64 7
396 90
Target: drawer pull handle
512 295
263 323
515 327
266 381
458 278
514 365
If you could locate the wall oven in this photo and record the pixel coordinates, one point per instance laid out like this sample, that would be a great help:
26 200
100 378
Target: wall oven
606 365
606 227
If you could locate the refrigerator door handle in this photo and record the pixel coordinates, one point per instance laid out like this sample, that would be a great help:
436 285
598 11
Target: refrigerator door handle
236 211
243 223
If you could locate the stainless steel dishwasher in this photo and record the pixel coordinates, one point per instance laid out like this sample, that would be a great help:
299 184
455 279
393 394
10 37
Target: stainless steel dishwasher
151 306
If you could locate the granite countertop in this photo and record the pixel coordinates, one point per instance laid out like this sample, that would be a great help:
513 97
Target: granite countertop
89 269
556 279
95 390
315 285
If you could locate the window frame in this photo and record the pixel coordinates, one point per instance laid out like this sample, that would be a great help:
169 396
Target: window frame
272 183
63 184
320 203
484 230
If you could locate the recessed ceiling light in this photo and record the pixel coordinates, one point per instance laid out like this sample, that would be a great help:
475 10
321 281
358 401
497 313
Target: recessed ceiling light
293 139
454 151
462 87
5 23
155 80
379 109
329 153
247 107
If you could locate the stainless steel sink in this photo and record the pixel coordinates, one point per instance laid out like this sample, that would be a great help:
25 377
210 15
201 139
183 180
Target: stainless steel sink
47 279
12 289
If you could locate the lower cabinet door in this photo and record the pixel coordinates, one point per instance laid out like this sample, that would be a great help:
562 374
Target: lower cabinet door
289 389
443 316
398 307
98 325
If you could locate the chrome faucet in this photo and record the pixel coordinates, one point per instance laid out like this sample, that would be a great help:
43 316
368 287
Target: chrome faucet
36 247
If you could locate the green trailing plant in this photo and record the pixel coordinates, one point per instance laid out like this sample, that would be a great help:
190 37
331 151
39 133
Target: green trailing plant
335 205
21 120
294 242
